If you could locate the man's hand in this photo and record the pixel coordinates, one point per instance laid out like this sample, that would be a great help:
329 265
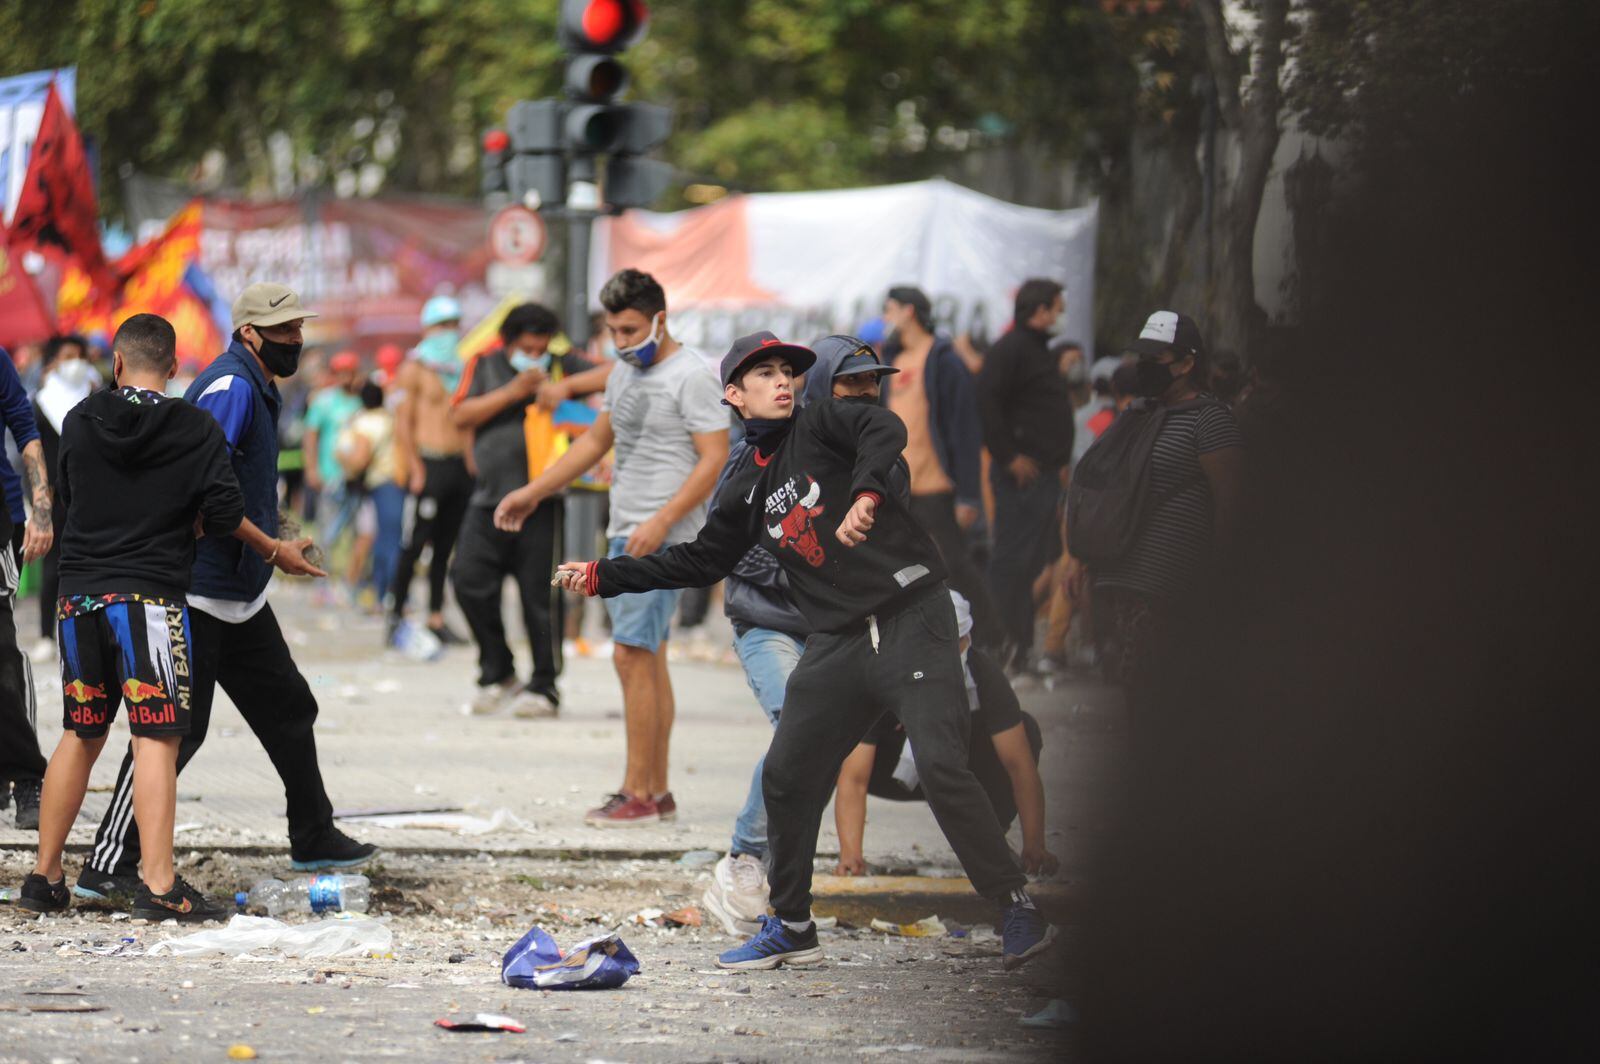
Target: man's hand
36 541
858 522
850 865
528 382
418 481
647 538
1024 470
516 508
574 577
553 393
291 558
966 515
1038 861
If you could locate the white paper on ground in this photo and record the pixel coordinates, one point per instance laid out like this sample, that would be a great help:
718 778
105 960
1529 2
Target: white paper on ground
348 936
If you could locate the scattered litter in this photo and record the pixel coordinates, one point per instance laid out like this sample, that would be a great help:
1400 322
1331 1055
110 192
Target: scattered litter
347 936
402 986
536 962
60 1006
316 1010
1053 1017
240 1051
647 917
688 916
192 825
393 810
483 1021
566 1036
461 823
8 894
699 858
927 927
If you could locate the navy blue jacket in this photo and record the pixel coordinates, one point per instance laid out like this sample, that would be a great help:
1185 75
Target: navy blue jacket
234 390
953 420
16 412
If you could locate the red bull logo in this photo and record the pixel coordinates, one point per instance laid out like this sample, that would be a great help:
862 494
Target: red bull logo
797 528
136 691
82 693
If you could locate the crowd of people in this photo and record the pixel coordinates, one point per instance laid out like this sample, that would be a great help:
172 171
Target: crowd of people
891 515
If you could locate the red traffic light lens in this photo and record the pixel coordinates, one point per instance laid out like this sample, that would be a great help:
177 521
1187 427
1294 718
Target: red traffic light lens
603 20
496 140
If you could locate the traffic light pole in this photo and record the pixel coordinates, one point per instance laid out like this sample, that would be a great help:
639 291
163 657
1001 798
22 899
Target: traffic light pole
579 225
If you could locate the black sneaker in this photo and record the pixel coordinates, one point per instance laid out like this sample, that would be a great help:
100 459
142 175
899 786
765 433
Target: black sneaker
27 795
108 887
448 636
39 895
329 848
182 903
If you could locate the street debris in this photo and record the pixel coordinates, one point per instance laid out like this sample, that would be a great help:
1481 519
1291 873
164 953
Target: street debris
1053 1017
927 927
501 819
483 1021
688 916
536 962
699 858
240 1051
345 936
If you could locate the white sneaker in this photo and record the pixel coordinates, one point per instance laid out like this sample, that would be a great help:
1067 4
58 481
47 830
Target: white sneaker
493 698
738 894
531 705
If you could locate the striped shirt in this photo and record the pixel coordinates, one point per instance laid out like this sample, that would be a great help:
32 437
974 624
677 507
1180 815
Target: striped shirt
1176 535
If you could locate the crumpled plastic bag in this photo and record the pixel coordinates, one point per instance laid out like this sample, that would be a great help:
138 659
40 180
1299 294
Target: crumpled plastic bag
536 962
344 936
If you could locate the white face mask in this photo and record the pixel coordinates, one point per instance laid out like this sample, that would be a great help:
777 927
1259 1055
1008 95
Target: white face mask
75 373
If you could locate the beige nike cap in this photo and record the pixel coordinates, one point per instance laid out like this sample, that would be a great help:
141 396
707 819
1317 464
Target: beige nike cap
267 303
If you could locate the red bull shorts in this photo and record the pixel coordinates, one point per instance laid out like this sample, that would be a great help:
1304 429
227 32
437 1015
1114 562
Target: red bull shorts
118 649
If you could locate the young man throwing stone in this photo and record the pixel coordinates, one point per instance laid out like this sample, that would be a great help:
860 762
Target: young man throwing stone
869 579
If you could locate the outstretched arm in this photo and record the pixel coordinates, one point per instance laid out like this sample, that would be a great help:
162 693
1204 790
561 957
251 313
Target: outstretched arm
703 561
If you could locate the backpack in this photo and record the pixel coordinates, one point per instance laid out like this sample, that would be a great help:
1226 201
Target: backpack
1109 495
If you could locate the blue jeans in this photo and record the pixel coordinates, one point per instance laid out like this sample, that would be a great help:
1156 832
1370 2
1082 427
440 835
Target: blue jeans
643 619
768 658
389 500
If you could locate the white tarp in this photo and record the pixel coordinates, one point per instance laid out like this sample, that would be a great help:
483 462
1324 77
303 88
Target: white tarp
804 264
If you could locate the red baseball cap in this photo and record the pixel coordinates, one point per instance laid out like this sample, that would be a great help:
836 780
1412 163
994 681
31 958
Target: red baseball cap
345 362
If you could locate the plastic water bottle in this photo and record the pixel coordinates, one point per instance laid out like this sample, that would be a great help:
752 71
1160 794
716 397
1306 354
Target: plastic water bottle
308 894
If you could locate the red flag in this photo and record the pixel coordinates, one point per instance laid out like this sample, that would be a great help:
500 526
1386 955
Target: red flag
56 213
23 317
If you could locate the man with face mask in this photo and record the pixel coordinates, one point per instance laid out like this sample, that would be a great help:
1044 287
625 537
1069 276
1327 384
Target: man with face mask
235 638
1026 406
432 450
665 416
499 405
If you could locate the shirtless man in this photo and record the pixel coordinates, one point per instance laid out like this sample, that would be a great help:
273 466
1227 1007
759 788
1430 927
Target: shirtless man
429 445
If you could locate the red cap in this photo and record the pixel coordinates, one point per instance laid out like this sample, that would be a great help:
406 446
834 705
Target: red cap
345 362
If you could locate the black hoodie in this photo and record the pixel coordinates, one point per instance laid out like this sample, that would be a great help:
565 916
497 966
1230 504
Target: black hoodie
135 469
791 503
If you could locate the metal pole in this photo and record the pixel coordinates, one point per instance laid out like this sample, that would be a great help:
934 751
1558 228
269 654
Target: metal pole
580 218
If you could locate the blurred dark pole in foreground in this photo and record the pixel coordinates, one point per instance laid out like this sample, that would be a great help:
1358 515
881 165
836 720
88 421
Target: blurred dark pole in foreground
1360 822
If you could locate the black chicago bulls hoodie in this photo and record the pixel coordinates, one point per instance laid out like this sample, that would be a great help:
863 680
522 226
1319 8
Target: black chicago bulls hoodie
791 502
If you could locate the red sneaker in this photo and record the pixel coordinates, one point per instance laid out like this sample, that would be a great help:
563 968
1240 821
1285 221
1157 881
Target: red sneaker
667 807
623 810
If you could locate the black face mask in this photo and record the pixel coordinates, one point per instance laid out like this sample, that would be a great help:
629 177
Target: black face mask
281 360
1152 378
765 433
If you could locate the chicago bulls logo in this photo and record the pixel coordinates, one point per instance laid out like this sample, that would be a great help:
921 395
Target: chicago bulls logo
796 529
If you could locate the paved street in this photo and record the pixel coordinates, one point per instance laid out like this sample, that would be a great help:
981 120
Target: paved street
393 736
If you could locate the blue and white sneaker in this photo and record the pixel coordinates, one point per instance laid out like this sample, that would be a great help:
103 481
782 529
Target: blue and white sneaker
1026 935
773 945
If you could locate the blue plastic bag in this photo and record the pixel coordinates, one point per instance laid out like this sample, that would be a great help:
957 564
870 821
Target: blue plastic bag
536 963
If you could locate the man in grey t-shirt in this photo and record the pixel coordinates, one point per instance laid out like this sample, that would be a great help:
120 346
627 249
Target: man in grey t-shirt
664 413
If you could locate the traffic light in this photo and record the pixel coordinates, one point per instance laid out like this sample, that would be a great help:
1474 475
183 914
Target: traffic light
536 164
605 26
495 146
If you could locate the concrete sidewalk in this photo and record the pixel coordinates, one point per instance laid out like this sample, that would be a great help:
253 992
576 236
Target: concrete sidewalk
392 734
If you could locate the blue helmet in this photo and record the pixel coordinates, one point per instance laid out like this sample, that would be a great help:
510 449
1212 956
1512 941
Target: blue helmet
440 309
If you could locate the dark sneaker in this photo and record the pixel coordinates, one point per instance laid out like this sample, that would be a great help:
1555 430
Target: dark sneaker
773 945
26 793
1026 935
39 895
95 885
623 810
329 848
182 903
667 806
448 636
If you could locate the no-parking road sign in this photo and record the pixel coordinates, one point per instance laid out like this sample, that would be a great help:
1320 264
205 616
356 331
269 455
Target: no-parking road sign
516 236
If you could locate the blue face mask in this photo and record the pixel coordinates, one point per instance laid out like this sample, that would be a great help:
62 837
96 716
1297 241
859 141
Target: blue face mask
643 354
437 351
521 361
